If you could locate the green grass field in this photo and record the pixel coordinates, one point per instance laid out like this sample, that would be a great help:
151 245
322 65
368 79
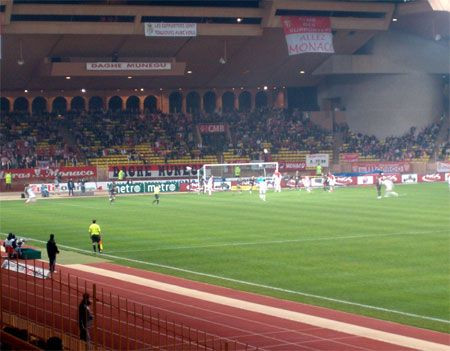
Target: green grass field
346 250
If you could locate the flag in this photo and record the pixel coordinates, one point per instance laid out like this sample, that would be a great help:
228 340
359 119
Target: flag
307 34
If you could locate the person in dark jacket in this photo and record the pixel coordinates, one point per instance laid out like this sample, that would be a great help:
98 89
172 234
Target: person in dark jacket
70 186
85 317
52 251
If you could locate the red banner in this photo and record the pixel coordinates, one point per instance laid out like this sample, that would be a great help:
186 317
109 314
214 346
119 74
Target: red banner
307 34
350 157
34 174
386 167
212 128
291 166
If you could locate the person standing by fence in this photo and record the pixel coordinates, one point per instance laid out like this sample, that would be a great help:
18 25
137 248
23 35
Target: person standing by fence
52 251
85 317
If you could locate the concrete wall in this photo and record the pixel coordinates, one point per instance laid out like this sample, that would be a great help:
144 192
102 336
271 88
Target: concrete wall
389 104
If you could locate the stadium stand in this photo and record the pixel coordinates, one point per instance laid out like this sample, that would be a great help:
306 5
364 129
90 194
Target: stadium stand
130 137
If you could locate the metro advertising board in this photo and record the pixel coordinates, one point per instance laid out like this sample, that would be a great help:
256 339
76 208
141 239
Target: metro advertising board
147 187
386 167
128 66
32 174
154 171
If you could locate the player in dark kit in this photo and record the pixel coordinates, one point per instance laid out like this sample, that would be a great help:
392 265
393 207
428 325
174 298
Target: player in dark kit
326 183
252 183
378 184
112 192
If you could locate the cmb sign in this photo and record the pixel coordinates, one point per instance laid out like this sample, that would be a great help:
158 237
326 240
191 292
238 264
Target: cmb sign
212 128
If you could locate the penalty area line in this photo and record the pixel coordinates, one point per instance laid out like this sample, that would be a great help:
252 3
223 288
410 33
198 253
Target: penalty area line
243 282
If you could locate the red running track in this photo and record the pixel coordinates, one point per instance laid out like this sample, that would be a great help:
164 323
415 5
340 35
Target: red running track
256 329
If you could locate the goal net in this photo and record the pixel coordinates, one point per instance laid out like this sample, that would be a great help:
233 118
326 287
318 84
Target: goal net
226 174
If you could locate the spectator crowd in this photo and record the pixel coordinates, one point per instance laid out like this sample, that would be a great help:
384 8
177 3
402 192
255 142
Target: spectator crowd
411 145
48 139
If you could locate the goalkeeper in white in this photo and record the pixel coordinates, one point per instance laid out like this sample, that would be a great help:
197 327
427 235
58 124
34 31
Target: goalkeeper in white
389 188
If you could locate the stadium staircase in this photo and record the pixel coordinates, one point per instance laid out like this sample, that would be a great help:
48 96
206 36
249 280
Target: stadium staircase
338 141
41 331
442 137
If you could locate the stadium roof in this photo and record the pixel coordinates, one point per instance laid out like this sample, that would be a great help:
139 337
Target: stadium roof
45 32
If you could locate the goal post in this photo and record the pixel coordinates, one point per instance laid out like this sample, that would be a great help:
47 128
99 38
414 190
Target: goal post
234 171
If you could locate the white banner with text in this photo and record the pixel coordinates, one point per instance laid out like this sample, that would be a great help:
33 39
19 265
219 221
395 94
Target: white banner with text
307 34
160 29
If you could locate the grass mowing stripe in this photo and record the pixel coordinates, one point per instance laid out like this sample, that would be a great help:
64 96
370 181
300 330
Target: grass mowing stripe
279 241
255 284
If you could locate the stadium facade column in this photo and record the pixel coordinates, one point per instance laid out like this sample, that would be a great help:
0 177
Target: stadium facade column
218 100
69 102
236 101
141 103
279 99
164 102
50 100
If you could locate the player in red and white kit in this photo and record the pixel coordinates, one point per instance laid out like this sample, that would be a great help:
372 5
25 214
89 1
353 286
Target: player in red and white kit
331 182
277 181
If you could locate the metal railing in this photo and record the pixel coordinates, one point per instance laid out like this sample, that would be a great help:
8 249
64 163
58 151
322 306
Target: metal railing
51 306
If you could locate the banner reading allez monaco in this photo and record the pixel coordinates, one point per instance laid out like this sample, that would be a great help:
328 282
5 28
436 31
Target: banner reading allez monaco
307 34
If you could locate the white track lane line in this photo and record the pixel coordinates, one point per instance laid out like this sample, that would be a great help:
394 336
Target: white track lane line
243 282
320 322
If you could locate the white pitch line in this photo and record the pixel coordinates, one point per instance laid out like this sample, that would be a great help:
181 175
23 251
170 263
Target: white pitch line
243 282
278 241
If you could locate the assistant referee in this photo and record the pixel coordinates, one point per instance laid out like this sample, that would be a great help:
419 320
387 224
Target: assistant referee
94 232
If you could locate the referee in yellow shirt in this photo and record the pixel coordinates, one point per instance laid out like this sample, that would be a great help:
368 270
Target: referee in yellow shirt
94 232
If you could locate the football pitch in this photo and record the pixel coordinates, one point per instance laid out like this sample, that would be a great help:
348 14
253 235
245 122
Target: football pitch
347 250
